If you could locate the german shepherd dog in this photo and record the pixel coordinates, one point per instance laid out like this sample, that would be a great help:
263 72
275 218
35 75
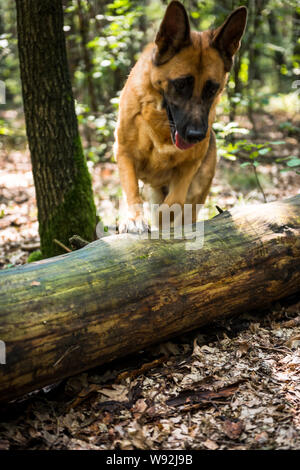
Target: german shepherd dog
164 133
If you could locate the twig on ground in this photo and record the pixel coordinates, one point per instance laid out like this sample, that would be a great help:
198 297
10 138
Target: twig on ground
62 245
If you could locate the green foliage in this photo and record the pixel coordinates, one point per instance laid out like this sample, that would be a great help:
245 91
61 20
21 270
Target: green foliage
9 64
248 153
245 150
290 128
35 256
116 48
105 37
224 134
291 163
4 129
115 38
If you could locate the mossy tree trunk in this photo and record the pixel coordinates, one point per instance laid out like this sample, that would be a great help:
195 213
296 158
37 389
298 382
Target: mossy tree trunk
122 293
62 181
295 41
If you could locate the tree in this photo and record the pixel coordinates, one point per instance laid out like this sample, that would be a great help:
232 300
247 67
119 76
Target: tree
62 181
119 295
84 33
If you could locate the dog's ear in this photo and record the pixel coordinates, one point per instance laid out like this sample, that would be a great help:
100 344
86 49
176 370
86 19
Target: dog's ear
227 38
173 34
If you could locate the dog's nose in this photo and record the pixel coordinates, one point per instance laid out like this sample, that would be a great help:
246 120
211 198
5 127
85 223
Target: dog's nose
195 135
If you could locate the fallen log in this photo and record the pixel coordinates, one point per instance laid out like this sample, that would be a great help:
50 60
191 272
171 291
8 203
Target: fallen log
120 294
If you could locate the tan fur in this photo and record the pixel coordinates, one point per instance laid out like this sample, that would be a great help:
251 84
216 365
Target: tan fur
143 146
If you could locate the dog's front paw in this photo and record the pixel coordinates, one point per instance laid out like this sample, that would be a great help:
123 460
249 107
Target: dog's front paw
134 225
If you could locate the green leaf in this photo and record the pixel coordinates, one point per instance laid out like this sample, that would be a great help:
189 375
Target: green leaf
293 162
254 154
243 165
264 151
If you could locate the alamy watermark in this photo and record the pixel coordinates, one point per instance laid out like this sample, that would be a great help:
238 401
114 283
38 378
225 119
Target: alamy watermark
2 352
158 221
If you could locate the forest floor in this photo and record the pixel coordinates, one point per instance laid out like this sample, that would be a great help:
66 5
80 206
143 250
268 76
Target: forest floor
229 385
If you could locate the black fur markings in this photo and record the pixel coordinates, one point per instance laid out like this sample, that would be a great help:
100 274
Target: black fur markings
183 86
209 90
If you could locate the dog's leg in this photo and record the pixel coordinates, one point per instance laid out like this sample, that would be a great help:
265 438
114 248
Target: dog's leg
156 195
202 180
134 220
178 188
180 183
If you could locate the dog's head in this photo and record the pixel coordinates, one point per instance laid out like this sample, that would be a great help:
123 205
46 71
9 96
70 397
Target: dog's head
190 70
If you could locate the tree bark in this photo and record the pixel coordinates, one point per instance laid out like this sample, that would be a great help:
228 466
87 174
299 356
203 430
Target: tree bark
279 56
84 33
255 8
295 36
118 295
62 181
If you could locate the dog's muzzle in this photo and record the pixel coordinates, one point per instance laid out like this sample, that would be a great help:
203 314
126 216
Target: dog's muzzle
192 134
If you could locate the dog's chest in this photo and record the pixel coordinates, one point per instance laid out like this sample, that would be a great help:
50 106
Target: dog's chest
157 158
154 168
157 163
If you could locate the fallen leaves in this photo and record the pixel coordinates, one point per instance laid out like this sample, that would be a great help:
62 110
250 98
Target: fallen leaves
243 349
262 438
141 370
198 396
291 323
116 392
211 445
293 342
233 430
210 392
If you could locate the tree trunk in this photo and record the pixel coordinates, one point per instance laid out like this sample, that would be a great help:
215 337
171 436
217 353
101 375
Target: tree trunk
62 181
120 294
279 56
84 33
295 37
255 10
238 87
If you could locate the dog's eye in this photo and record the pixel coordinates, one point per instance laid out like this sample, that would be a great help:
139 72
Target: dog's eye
210 89
180 84
183 85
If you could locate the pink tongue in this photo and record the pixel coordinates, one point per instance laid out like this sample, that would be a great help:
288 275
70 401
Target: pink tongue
180 143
